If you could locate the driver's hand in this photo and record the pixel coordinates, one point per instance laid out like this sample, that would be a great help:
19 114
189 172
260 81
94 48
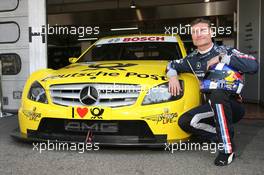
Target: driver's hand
213 61
174 86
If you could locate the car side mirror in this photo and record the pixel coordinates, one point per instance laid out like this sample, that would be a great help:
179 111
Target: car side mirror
73 60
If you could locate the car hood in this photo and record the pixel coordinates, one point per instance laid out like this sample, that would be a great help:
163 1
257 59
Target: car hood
127 72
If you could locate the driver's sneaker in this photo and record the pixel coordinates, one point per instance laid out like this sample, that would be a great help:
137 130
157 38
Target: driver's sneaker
224 159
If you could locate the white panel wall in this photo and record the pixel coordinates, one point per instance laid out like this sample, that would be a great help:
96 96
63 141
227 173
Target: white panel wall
37 48
14 11
26 14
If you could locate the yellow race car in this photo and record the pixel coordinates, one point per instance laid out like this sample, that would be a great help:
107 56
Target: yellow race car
115 93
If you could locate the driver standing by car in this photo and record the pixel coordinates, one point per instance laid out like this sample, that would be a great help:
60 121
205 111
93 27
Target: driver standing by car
215 118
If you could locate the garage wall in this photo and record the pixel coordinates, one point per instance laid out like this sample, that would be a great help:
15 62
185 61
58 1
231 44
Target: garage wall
262 56
249 42
13 45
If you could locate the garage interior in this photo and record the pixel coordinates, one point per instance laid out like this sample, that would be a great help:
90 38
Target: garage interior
145 17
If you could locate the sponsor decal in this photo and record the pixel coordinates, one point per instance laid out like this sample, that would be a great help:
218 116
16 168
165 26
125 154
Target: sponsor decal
200 74
198 65
154 77
134 39
110 66
82 111
144 38
114 40
163 118
32 114
85 126
221 50
91 75
94 75
180 61
237 76
72 112
97 113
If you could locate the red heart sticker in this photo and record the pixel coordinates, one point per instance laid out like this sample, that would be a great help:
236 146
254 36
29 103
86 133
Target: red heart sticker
82 111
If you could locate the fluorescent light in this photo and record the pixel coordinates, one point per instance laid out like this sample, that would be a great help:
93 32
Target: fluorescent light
87 39
127 28
139 15
206 0
132 4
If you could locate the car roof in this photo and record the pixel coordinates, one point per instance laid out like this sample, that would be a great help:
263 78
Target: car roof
137 35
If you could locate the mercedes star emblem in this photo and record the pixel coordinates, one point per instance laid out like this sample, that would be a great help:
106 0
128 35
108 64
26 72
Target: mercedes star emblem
88 95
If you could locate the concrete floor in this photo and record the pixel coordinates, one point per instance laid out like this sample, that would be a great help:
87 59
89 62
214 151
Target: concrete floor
20 158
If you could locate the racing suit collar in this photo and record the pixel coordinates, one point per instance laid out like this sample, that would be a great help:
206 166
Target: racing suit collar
205 51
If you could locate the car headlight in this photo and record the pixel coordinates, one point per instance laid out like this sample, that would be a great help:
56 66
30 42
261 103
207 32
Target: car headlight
161 94
37 93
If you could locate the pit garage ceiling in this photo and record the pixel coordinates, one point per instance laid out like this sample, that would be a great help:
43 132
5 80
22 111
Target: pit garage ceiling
88 5
110 11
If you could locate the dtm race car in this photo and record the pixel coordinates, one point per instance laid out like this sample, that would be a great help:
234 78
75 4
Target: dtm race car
115 93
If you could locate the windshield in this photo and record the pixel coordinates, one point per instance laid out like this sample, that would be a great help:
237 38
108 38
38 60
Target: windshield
133 51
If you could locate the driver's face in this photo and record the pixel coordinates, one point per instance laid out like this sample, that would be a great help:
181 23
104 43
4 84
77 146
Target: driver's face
201 34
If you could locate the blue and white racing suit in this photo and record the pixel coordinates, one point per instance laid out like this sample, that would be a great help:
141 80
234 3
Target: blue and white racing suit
217 115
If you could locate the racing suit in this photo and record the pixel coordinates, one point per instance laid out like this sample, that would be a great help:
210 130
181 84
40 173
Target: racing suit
217 115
